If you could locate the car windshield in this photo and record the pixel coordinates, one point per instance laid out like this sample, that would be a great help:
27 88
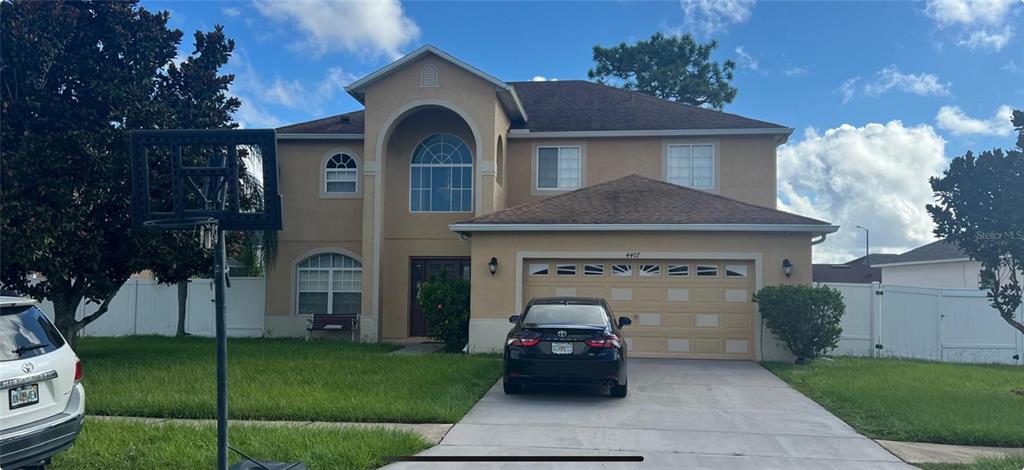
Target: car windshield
25 332
563 314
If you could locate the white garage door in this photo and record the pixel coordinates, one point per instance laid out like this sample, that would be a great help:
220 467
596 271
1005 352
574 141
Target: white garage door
685 309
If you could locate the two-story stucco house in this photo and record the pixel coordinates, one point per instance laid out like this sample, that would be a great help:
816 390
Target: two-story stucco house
566 188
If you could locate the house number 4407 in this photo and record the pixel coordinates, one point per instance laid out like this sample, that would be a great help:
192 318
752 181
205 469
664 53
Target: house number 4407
633 254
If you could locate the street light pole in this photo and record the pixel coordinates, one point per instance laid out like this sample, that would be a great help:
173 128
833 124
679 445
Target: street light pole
867 244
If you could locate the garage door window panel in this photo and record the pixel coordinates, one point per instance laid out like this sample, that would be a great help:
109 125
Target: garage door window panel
536 269
707 270
565 270
678 270
735 270
593 270
650 270
622 270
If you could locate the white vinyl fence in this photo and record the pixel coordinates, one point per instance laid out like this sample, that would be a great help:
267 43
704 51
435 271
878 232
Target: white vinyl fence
143 307
950 325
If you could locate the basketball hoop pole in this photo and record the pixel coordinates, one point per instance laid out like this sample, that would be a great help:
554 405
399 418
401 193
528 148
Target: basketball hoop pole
222 349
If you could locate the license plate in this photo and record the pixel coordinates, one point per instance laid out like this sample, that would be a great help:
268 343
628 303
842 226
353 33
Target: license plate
561 348
24 395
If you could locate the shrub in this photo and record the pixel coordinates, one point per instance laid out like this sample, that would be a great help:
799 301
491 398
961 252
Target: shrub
805 318
445 303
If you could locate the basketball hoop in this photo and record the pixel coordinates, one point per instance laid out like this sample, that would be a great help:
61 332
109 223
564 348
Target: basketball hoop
190 179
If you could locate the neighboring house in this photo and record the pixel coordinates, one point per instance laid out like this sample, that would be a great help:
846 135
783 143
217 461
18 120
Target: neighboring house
937 264
857 271
564 188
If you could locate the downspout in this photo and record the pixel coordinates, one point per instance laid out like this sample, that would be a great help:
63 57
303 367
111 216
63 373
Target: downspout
819 240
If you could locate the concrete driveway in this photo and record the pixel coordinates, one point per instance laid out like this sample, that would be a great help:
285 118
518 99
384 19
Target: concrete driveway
679 414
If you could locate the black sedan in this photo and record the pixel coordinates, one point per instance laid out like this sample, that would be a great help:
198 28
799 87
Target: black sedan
566 340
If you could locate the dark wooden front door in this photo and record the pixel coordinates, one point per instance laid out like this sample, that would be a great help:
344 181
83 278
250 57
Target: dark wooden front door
421 270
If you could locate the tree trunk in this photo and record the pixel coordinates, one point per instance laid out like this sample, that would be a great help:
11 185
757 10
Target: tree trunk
182 304
64 310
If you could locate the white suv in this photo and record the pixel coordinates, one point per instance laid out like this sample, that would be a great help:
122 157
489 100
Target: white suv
43 402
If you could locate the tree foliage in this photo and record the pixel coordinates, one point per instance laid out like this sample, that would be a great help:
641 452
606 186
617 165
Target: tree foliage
980 207
806 319
75 77
445 303
676 68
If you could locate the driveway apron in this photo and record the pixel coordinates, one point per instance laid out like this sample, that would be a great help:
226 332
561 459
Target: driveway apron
679 414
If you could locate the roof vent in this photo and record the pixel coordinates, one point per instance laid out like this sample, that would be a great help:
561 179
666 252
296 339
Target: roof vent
428 76
345 119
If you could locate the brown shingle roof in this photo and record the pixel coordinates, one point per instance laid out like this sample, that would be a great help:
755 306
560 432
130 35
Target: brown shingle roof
581 106
348 123
635 199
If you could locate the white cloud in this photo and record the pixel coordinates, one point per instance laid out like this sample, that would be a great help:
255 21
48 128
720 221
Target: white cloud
849 88
231 11
952 119
980 24
746 60
709 16
983 39
366 28
541 78
891 79
794 70
875 176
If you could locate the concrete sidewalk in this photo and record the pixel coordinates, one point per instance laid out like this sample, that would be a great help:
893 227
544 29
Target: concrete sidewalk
679 414
921 452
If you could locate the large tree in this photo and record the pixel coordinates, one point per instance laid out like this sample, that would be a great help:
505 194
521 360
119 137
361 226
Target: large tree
75 77
671 67
196 96
980 207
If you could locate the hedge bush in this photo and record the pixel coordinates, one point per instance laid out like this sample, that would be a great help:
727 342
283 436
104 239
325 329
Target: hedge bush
805 318
445 303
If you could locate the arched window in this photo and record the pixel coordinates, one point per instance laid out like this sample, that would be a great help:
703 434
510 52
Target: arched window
329 283
341 174
441 175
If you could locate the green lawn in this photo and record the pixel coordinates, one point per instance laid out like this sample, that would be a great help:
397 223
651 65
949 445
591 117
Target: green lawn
281 379
1005 463
905 400
104 445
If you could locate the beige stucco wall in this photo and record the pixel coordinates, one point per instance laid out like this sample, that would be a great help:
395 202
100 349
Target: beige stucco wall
745 167
396 106
413 234
494 298
312 224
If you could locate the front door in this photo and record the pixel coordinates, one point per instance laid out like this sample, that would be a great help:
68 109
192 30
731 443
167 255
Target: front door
422 269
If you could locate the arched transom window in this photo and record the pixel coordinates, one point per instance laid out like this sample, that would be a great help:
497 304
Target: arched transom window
341 174
441 177
329 283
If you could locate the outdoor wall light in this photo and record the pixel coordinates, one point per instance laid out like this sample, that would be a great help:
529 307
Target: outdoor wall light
787 267
492 266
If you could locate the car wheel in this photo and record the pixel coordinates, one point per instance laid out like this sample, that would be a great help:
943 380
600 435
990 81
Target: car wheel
619 391
511 388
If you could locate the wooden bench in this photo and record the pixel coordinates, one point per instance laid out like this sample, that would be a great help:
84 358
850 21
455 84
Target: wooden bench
324 322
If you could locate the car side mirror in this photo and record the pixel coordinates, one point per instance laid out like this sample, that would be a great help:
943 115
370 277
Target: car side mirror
624 321
513 319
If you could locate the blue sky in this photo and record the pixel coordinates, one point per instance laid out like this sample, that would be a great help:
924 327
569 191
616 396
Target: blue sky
840 73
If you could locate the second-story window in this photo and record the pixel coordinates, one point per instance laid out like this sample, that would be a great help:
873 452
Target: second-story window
558 167
341 174
691 165
441 175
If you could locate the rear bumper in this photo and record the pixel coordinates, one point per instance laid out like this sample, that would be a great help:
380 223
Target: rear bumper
32 443
566 371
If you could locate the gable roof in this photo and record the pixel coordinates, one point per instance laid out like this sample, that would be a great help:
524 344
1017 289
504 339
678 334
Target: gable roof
579 105
935 252
638 203
506 94
855 271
